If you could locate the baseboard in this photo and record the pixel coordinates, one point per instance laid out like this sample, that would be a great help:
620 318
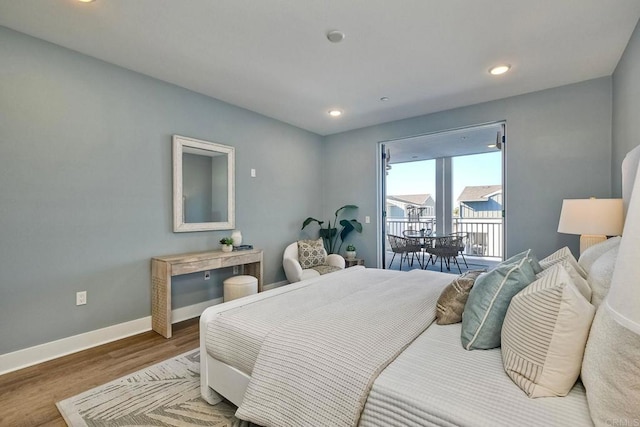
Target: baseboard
24 358
52 350
274 285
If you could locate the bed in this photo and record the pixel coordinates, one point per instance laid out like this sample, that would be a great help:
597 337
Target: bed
360 347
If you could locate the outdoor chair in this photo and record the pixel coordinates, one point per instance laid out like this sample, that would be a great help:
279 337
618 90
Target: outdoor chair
422 239
405 247
447 249
462 244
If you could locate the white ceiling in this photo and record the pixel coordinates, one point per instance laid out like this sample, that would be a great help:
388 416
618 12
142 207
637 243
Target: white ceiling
272 56
452 143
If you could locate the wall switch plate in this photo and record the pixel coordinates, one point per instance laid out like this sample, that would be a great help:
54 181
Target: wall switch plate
367 219
81 298
207 275
253 173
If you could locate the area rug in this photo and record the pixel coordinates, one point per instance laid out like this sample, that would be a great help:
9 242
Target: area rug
165 394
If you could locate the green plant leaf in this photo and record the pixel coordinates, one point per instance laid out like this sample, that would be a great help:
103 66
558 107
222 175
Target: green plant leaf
345 207
330 233
309 221
347 227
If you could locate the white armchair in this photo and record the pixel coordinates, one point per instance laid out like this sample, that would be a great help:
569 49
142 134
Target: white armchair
294 271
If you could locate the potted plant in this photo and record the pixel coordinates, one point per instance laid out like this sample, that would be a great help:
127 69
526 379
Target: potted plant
350 252
330 233
227 244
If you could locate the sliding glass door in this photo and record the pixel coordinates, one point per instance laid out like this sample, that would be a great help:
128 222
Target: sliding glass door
448 182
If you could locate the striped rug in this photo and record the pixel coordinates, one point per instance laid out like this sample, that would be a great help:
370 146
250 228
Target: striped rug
166 394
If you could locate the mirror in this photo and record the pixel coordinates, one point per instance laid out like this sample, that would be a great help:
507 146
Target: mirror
203 185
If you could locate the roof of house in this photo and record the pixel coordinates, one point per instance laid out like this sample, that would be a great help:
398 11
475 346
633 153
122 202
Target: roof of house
478 193
411 199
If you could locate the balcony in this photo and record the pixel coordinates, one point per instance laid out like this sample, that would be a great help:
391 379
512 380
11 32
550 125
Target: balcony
483 245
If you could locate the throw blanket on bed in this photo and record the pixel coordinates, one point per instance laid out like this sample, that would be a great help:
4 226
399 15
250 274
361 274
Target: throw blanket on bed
317 369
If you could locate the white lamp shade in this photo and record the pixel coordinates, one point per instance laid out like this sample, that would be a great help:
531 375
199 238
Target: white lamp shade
591 216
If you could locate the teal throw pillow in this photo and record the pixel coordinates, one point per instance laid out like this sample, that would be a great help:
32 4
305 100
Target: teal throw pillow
535 264
488 303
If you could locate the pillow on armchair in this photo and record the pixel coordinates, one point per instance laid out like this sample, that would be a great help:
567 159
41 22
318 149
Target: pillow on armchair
309 253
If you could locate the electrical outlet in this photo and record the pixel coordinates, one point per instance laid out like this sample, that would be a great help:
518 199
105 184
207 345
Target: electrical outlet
81 298
207 275
236 269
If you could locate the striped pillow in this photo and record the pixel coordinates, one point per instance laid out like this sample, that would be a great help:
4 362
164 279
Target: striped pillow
578 280
544 335
560 255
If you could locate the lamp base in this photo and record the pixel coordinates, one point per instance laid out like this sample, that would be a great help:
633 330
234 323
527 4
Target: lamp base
587 240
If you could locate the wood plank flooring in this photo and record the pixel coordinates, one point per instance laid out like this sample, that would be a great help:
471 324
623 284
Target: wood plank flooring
28 396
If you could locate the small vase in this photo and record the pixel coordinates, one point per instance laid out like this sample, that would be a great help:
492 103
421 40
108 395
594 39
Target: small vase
236 236
227 248
350 254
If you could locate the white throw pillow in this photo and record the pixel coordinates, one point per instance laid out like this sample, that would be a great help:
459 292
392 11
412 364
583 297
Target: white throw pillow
592 253
559 255
600 275
611 372
544 335
578 280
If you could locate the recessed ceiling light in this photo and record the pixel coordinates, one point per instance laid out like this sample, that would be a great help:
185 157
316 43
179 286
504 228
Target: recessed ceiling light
499 69
86 1
384 99
335 36
335 112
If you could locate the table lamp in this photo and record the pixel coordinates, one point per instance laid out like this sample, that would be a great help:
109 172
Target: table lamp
593 219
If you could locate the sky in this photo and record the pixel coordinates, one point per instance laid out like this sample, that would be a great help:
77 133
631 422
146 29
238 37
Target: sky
419 177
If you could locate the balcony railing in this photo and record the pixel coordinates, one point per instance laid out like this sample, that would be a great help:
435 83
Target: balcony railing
483 236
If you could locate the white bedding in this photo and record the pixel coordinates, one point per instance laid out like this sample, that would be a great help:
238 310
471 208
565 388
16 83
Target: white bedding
235 336
317 368
435 382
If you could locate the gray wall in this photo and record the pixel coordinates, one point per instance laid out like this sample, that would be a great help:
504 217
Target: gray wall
85 194
559 146
626 107
85 172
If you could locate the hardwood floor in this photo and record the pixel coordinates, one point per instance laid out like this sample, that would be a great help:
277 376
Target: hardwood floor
28 396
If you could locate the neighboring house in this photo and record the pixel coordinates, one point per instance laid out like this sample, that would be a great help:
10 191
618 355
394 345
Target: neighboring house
480 217
481 201
411 206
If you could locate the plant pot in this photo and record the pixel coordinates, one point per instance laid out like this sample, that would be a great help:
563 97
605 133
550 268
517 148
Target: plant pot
350 254
236 235
226 248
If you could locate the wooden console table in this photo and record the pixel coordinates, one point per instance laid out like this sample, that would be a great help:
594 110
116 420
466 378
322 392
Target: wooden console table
165 267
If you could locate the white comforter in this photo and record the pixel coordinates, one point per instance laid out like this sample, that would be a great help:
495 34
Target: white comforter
433 382
317 368
436 382
236 335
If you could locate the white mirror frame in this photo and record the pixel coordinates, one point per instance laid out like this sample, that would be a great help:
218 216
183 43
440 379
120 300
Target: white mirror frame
179 144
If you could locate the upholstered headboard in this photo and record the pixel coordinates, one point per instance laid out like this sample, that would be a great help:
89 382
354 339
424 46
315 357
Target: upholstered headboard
629 172
623 300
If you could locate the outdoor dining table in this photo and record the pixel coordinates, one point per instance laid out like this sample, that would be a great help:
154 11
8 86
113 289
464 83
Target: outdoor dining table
432 241
426 240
